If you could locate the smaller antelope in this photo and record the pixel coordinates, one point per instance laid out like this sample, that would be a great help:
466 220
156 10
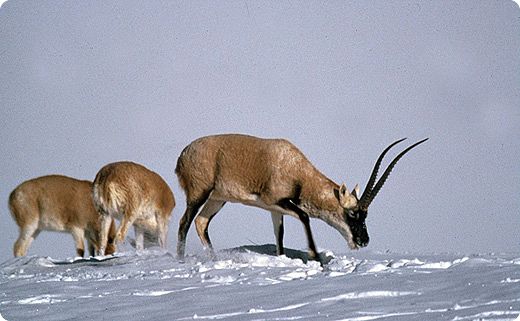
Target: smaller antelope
61 204
272 174
136 196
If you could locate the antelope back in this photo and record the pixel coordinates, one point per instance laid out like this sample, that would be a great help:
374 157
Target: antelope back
59 202
123 187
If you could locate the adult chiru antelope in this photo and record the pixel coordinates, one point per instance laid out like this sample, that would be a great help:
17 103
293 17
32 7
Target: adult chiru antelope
136 196
272 174
57 203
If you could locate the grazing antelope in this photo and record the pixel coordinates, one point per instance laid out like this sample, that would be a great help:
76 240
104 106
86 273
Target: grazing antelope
136 196
57 203
274 175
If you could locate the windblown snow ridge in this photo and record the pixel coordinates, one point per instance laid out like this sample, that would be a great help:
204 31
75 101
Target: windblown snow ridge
249 283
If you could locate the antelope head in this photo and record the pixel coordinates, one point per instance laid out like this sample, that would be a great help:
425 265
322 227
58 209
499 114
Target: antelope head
355 207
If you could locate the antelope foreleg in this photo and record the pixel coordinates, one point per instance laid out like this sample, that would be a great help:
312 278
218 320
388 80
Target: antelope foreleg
289 205
278 231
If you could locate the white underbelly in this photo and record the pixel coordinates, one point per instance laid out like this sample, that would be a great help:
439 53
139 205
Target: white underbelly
255 201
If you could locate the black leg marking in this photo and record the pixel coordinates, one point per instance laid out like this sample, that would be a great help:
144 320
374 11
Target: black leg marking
184 226
290 205
206 233
280 249
80 252
91 250
185 223
278 230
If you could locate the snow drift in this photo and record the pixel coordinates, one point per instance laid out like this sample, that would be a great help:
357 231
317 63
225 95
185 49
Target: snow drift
249 283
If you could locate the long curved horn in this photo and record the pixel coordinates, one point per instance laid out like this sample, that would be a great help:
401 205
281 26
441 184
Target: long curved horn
385 175
371 181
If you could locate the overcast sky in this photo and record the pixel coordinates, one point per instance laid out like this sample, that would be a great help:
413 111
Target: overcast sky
86 83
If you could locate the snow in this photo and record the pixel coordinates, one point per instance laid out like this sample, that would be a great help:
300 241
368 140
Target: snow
249 283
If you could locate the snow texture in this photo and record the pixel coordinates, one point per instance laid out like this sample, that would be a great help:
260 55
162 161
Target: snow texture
250 283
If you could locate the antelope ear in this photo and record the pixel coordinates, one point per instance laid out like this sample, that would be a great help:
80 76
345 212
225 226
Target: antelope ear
355 192
346 199
343 195
343 190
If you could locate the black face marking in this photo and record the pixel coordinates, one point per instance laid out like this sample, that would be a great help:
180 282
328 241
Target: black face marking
356 222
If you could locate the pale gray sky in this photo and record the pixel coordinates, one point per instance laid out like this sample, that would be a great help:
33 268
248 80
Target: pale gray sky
86 83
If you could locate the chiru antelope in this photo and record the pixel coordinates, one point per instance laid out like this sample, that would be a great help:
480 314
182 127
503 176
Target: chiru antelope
136 196
57 203
272 174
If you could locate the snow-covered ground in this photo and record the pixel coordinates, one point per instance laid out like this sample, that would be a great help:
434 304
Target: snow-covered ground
249 283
